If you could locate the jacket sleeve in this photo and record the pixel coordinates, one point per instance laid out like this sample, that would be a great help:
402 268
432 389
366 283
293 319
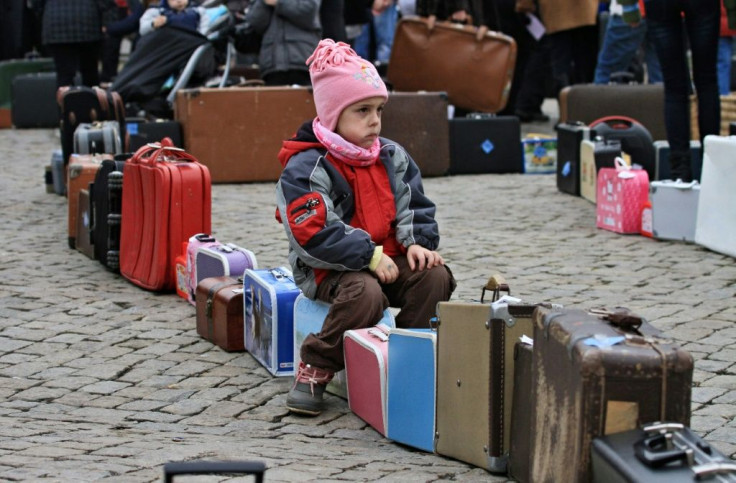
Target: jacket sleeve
315 231
144 24
415 212
204 20
259 16
130 23
301 13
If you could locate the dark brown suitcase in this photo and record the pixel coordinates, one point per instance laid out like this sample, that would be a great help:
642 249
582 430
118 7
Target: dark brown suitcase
219 303
520 411
418 121
84 222
588 102
594 376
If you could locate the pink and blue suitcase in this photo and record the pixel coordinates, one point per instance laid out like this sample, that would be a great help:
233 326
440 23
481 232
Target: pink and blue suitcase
222 260
412 371
366 360
268 312
195 243
309 315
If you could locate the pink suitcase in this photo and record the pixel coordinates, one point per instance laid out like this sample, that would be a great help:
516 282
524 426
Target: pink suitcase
622 193
195 243
366 360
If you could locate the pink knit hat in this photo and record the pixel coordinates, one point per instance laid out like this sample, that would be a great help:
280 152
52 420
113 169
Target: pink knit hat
340 77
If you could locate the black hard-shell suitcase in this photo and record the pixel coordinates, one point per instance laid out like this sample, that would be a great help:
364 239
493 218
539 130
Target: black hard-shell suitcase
485 143
634 137
142 132
106 198
33 101
660 452
255 468
569 137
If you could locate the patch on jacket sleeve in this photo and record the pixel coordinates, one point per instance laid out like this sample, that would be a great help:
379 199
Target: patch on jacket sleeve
307 215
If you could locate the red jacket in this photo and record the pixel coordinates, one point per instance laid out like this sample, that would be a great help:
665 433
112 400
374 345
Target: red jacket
725 31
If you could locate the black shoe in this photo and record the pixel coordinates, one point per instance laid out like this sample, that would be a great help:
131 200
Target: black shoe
531 116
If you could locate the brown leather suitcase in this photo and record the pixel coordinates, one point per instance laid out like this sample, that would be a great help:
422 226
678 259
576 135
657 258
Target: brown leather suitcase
522 405
237 132
588 102
81 171
84 221
592 377
219 302
418 121
473 65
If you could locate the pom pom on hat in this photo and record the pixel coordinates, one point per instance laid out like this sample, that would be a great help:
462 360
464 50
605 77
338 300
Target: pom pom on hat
340 77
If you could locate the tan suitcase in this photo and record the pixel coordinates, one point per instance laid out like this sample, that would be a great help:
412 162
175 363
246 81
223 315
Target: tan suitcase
81 171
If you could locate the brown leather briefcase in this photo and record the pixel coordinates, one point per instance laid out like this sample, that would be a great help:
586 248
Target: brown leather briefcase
473 65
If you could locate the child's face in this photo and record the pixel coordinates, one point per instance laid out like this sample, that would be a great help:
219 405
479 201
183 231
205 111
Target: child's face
360 123
178 5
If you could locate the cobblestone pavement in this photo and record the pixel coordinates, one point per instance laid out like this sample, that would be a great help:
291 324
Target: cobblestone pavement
102 380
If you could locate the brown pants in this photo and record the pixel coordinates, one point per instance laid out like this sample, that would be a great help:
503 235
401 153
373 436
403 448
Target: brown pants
358 300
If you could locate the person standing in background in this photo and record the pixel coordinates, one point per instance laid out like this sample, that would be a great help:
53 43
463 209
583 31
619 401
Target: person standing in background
669 24
725 53
128 14
380 30
72 33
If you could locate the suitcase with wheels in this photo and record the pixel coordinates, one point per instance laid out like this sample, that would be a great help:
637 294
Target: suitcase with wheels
81 171
106 195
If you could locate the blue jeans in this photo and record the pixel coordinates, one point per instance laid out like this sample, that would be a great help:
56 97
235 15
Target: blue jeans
725 51
668 29
619 47
384 26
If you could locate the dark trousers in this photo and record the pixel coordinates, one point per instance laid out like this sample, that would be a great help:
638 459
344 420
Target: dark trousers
668 30
574 53
533 88
358 300
70 58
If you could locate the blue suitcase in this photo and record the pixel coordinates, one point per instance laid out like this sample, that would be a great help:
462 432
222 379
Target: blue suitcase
412 368
58 172
269 318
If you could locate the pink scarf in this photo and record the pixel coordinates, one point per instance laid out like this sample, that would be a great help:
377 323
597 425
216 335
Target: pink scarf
343 150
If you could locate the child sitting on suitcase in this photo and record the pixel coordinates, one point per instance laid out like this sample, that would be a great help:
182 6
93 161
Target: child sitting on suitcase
175 13
362 234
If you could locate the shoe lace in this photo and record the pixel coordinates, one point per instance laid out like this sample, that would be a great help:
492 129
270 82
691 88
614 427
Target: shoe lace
312 375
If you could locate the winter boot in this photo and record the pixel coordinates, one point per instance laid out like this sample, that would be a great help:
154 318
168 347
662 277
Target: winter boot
680 166
305 396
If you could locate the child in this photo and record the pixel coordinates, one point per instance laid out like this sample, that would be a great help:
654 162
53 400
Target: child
362 234
176 13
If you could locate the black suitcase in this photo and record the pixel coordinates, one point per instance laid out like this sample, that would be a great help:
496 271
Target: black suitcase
255 468
659 453
484 143
105 200
142 132
634 137
33 102
569 137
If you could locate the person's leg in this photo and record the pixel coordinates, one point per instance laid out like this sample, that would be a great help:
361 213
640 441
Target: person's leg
619 48
584 45
417 293
560 59
65 63
110 58
384 27
362 43
654 70
532 90
725 51
89 56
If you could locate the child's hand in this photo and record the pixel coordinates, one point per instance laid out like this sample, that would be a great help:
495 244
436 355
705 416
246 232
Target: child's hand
159 21
421 258
386 270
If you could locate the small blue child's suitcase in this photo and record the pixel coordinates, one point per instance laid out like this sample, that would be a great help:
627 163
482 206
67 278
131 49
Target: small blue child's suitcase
412 368
269 318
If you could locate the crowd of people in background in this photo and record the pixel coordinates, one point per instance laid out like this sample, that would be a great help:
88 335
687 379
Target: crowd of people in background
634 40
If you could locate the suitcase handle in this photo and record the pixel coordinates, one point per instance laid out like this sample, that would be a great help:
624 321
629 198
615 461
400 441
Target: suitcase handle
655 451
708 470
255 468
150 153
497 284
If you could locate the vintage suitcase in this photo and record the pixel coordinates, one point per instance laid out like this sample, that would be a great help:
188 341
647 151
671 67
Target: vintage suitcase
106 194
594 377
540 153
142 132
475 368
219 302
659 452
674 209
634 138
194 243
485 144
11 68
222 259
662 160
366 361
248 145
569 137
622 193
58 172
166 199
410 393
519 457
594 155
418 122
81 171
82 104
716 224
98 137
34 101
309 315
269 318
588 102
473 65
83 237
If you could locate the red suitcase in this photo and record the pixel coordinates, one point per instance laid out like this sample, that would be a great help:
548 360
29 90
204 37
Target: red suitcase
166 200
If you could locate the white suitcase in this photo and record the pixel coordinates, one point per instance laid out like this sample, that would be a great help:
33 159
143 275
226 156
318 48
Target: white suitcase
674 209
716 223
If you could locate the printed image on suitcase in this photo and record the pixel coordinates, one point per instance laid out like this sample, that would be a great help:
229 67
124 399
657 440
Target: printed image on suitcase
269 318
222 259
410 403
483 144
540 153
219 303
674 209
569 138
594 377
